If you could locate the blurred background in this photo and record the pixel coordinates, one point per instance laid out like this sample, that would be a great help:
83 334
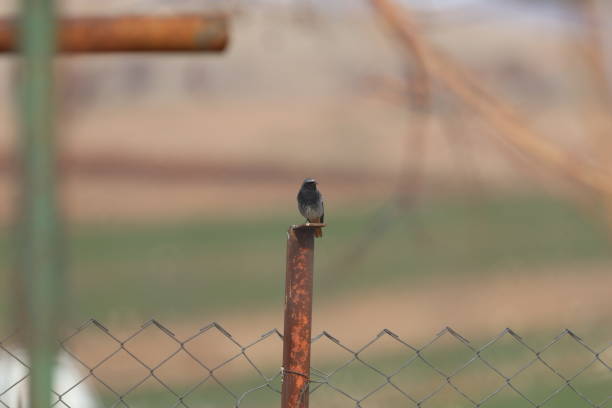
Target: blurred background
180 174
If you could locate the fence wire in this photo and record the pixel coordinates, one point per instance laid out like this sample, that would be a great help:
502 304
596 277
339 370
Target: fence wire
368 375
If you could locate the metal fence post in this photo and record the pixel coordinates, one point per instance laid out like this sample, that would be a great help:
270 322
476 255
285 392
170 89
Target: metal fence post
298 316
38 258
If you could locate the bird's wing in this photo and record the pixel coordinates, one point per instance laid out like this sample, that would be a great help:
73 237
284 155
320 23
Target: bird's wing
322 211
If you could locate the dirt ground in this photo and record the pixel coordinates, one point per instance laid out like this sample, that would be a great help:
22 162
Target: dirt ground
133 167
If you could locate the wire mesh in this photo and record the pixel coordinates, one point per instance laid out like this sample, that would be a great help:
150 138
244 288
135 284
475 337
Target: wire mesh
386 371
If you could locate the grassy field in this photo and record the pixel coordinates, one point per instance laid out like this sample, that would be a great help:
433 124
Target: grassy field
204 266
200 267
212 395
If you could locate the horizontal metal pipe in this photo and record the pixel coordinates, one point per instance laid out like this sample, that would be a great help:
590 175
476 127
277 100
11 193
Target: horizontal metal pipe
181 33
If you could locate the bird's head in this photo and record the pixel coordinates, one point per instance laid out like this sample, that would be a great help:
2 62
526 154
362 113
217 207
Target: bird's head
309 184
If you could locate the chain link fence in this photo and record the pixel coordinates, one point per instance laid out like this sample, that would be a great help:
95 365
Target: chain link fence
99 369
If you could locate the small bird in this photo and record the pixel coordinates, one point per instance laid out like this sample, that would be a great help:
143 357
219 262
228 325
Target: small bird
310 204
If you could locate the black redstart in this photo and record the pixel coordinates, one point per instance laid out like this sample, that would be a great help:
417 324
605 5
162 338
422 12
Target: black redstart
310 204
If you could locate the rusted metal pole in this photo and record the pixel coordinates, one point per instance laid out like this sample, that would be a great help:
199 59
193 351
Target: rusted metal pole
182 33
298 316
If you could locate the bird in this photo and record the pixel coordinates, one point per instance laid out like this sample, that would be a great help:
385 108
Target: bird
310 204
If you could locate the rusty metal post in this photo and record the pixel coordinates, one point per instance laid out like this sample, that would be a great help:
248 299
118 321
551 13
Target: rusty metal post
180 33
298 316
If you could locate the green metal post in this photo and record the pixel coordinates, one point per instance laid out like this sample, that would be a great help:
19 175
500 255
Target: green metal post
39 244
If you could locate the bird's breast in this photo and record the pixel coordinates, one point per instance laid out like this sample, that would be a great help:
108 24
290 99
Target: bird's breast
311 211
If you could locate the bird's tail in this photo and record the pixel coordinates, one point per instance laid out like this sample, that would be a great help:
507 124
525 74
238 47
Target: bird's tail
318 232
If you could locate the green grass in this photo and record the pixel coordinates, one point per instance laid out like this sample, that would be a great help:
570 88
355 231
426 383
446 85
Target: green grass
212 395
200 267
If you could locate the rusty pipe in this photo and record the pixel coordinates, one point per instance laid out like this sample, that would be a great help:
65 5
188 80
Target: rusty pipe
180 33
298 316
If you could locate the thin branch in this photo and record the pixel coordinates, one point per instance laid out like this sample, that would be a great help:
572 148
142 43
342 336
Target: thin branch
600 127
512 128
